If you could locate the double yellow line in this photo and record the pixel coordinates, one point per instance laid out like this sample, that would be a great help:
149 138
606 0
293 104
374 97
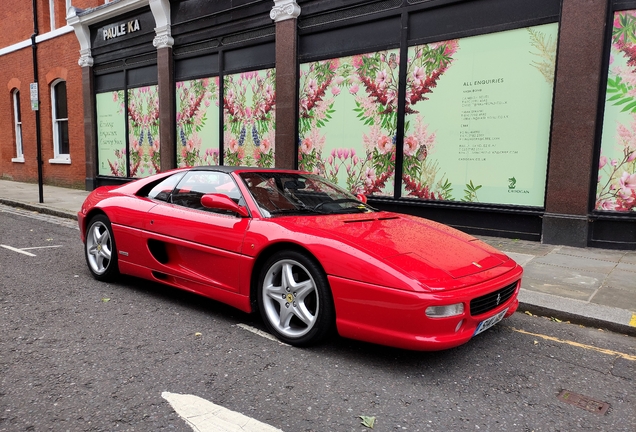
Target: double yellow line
579 345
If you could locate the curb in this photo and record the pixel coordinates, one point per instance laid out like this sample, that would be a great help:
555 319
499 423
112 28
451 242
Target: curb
578 312
39 209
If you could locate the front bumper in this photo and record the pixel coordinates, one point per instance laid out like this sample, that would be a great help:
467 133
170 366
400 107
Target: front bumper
397 318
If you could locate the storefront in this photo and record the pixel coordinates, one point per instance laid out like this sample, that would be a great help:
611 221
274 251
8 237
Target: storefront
485 121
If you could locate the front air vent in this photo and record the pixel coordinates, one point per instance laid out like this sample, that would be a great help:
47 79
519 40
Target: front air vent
371 219
488 302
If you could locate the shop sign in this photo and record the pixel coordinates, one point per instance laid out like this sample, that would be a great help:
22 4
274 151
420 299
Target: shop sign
121 29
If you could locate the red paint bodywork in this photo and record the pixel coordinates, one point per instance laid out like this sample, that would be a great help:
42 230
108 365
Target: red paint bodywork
384 268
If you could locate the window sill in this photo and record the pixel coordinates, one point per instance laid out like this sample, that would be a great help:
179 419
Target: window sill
62 161
18 159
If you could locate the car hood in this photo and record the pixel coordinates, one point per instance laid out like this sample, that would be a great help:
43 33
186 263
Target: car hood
425 250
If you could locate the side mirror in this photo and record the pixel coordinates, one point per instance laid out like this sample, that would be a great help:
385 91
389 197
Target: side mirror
362 198
222 202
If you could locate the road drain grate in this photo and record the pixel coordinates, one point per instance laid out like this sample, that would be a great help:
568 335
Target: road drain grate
583 402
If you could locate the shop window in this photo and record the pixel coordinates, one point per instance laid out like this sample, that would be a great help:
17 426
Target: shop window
60 122
111 133
616 181
144 155
476 124
250 114
197 122
17 122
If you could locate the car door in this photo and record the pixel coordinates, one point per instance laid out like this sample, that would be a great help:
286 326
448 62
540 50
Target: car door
197 244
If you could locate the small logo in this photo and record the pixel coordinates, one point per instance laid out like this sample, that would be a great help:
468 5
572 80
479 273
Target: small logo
512 183
512 187
498 299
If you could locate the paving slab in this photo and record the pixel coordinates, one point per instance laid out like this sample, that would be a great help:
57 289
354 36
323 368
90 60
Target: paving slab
519 246
577 262
597 254
629 258
616 297
521 259
564 291
560 275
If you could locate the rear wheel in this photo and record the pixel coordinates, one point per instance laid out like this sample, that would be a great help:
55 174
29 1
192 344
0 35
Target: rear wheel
294 299
100 251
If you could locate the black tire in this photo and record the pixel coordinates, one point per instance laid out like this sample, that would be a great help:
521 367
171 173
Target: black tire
100 250
294 299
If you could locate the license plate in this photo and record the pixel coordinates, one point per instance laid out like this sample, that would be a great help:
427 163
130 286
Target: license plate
486 324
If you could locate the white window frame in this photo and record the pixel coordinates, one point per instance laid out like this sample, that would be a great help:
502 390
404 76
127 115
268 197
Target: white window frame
52 14
59 158
17 123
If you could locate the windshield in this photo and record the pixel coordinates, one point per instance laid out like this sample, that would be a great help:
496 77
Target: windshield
288 193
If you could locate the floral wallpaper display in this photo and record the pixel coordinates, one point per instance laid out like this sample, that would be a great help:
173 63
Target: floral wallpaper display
476 127
111 134
616 187
249 106
143 131
477 120
198 122
348 120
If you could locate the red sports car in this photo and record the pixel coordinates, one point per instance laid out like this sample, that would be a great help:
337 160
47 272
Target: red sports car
309 256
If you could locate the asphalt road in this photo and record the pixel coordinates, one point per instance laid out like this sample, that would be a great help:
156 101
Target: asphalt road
80 355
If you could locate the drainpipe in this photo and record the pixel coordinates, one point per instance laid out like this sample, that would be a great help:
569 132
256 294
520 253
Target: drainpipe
38 138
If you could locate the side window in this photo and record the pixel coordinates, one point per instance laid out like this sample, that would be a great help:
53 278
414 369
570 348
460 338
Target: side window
164 188
61 146
195 184
17 124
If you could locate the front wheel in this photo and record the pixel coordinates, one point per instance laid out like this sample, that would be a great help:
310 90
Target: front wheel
294 299
100 251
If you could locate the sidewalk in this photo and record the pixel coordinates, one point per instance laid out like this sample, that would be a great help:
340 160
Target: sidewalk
595 287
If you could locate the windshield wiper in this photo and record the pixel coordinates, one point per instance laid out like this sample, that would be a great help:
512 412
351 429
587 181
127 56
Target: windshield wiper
297 210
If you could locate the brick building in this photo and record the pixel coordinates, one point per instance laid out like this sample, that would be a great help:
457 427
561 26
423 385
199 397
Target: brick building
36 34
502 117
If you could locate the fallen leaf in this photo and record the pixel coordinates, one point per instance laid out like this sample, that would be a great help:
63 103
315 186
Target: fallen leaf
105 300
536 342
49 239
368 421
528 313
555 319
198 334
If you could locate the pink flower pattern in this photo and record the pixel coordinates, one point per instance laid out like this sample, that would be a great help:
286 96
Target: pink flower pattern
194 100
616 184
143 126
249 112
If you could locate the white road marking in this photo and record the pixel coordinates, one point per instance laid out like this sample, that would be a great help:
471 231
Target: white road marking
17 250
204 416
41 247
261 333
